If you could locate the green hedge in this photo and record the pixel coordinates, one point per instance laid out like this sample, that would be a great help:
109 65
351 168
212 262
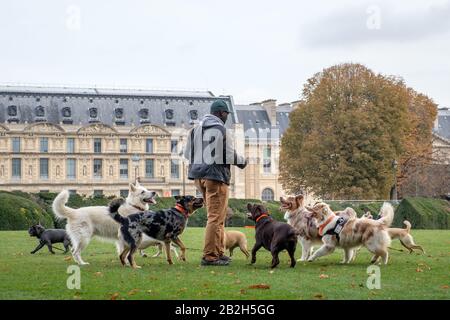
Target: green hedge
19 213
19 210
423 213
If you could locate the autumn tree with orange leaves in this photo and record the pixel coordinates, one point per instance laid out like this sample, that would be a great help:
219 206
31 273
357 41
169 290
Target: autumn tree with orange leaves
348 128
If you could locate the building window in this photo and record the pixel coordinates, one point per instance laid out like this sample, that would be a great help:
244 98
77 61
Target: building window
175 169
16 144
12 111
169 114
123 168
267 195
16 168
143 113
267 164
193 114
149 169
66 112
40 111
93 113
97 168
43 168
123 146
149 145
70 145
97 145
98 193
71 169
44 145
124 193
175 192
174 146
119 113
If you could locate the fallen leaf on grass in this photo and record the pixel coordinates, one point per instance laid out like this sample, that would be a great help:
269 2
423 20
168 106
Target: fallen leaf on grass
271 271
98 274
259 286
114 296
243 291
419 270
444 287
319 296
133 292
68 258
238 281
324 276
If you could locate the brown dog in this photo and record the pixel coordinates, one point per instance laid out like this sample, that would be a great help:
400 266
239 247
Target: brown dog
274 236
233 239
405 237
302 220
351 233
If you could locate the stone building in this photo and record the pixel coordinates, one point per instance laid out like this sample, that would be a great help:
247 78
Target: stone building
96 141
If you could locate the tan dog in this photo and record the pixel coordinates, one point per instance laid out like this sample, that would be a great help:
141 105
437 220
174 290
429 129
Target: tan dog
354 232
405 237
233 239
302 220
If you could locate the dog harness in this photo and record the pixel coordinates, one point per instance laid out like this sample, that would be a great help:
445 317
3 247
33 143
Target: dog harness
336 230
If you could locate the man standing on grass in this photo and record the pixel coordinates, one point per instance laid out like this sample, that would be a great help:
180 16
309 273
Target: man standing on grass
210 152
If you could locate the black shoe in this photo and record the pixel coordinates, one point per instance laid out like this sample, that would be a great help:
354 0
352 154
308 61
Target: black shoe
225 258
217 262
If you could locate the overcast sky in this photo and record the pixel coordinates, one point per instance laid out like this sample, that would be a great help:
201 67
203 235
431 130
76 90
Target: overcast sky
253 50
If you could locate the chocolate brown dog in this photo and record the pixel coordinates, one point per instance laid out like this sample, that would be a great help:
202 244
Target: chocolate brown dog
274 236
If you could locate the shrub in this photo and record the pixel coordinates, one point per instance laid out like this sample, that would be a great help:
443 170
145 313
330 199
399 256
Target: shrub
19 213
423 213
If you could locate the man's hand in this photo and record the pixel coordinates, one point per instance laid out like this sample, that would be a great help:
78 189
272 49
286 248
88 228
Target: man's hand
243 165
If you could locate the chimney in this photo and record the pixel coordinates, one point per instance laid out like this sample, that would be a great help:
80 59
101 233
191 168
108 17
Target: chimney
270 106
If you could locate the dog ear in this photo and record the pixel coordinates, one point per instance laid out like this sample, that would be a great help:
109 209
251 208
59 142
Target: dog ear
132 187
137 184
249 207
299 199
178 198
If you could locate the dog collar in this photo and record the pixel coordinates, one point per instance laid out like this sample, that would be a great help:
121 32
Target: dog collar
182 210
325 224
262 216
137 207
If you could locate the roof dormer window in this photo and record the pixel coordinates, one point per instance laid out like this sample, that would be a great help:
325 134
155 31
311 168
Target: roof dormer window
12 111
119 113
66 112
93 115
193 114
169 114
39 111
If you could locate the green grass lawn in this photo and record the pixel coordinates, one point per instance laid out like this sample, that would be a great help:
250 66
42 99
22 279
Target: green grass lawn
44 276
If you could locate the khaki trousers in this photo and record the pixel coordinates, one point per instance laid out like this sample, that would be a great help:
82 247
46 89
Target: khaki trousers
215 196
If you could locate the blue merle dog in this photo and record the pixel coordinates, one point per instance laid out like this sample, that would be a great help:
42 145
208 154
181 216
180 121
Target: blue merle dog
164 225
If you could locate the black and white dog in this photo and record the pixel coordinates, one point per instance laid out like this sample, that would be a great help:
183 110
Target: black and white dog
48 237
163 225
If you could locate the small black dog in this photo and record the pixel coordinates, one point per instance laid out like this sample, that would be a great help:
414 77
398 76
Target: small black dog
163 225
274 236
49 237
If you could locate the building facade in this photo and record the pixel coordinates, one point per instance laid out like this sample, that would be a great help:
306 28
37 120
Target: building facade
96 141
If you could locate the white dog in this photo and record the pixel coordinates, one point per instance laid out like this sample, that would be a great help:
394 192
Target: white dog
85 223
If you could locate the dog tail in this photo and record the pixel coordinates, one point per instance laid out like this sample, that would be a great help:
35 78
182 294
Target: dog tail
386 214
408 225
114 210
59 206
